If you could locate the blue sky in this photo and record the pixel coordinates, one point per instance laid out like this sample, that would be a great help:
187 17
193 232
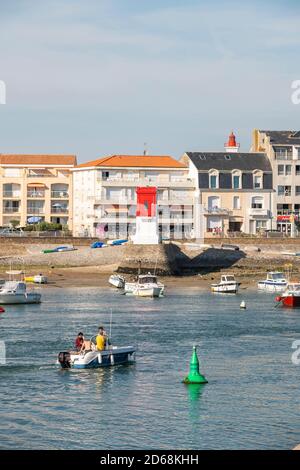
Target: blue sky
98 77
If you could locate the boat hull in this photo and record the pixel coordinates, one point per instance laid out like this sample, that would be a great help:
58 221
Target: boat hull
291 301
272 287
225 288
147 292
12 299
96 359
116 282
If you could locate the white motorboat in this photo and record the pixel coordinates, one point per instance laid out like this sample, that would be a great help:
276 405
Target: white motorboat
146 286
228 285
117 281
15 292
114 355
275 282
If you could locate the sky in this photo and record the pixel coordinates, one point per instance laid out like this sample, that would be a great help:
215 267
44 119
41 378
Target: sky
101 77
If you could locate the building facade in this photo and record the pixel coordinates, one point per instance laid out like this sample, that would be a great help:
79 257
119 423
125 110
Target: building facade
105 195
283 151
36 188
234 190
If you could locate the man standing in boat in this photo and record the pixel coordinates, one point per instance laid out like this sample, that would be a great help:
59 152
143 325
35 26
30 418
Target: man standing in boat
101 339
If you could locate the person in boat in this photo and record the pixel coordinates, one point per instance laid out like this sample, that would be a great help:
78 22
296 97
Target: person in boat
101 339
79 342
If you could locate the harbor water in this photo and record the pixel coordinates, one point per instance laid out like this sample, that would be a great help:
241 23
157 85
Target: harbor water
252 399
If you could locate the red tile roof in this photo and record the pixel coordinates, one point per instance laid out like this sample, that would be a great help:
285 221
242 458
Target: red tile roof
19 159
146 161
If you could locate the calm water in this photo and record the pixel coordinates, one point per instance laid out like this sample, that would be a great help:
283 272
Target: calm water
252 399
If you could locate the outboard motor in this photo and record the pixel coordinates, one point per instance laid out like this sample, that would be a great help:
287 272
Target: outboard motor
64 359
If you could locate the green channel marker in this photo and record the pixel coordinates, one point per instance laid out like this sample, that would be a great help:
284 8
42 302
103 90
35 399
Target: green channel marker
194 376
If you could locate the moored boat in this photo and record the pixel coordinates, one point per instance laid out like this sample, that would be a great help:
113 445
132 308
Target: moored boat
228 285
115 355
291 296
146 285
275 282
15 292
117 281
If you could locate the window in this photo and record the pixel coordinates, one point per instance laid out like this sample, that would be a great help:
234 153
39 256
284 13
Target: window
288 170
236 182
280 170
257 202
261 225
284 190
105 175
283 153
213 181
297 190
257 181
298 170
236 202
298 153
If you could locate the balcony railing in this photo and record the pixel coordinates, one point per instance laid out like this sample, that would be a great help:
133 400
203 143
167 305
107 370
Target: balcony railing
216 211
59 210
35 210
258 211
12 194
36 194
11 210
59 194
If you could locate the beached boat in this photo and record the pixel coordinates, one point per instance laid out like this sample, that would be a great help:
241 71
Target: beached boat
275 282
291 296
227 285
146 286
113 356
15 292
59 249
38 279
117 281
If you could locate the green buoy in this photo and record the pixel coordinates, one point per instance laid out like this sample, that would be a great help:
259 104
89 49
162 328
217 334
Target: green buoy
194 376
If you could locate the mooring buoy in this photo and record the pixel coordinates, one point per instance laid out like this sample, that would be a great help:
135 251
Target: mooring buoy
194 376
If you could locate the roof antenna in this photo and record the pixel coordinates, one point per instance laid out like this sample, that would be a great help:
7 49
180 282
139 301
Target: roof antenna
145 149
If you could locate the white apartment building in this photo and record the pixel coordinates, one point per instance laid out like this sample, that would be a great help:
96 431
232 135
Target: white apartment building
105 195
283 151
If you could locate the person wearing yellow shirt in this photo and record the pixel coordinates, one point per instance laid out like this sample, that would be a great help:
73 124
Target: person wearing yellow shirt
101 339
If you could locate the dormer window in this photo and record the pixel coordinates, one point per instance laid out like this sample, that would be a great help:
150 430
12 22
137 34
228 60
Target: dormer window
213 179
236 180
258 179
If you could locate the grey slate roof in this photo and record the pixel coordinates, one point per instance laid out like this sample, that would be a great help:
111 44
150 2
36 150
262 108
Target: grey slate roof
283 137
230 161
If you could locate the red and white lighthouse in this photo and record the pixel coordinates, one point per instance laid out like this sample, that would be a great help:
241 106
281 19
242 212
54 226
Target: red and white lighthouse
231 145
146 217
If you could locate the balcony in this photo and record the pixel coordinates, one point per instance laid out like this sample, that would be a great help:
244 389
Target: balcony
217 211
258 212
36 194
135 181
11 210
175 201
115 200
59 210
35 210
12 194
59 194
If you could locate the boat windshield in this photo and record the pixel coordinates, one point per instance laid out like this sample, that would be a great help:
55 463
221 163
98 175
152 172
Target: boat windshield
147 279
229 278
276 276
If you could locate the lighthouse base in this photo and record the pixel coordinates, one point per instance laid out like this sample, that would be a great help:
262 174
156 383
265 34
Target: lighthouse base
146 231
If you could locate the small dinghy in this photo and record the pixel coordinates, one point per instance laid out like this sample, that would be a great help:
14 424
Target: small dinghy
117 281
113 356
227 285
